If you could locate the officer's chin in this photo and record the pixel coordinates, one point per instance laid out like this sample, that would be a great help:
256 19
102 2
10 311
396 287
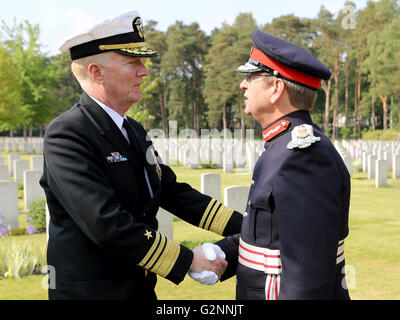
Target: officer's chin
247 108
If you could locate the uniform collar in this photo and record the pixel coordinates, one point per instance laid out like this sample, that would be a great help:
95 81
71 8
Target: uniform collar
114 115
285 123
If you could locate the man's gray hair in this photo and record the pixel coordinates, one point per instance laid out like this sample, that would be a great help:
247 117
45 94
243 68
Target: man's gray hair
300 97
80 66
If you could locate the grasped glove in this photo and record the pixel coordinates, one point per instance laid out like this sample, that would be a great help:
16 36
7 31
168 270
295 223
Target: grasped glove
211 251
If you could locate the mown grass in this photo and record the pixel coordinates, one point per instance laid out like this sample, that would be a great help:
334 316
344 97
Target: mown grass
371 250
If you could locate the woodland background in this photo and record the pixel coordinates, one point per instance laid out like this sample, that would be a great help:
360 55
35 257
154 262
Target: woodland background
194 81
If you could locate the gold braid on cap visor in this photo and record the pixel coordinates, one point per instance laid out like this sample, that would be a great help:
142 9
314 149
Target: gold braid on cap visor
132 45
140 48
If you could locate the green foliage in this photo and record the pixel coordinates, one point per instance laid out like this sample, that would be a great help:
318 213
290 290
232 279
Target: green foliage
194 81
37 73
10 92
381 135
21 260
140 114
348 133
37 212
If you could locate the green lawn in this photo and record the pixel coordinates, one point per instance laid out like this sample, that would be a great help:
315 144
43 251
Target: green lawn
371 250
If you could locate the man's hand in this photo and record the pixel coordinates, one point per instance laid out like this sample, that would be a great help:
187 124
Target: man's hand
208 264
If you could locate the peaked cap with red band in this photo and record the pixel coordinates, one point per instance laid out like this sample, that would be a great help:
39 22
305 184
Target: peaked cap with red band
284 60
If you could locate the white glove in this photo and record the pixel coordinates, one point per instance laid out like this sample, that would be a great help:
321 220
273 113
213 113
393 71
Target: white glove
212 250
208 277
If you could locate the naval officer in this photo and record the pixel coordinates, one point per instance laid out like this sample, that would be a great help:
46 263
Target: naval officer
291 244
104 181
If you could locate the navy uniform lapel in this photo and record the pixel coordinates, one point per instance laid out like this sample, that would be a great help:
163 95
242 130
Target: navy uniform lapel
113 134
145 146
109 130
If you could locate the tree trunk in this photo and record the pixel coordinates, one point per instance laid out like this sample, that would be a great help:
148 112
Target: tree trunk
373 117
224 120
327 89
391 113
163 106
346 101
30 130
336 108
198 115
356 103
186 108
194 107
385 110
11 133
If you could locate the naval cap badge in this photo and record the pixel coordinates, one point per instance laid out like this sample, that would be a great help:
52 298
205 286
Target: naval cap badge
138 26
302 137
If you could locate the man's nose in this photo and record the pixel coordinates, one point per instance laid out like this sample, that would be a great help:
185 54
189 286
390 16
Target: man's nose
142 72
243 85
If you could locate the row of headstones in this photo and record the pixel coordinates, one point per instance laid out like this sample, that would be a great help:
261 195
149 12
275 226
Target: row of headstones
17 166
29 146
223 153
31 173
376 157
348 161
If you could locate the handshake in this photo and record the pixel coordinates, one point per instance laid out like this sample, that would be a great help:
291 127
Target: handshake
208 265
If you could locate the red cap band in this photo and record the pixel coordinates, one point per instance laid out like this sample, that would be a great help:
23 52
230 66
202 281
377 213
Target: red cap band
285 71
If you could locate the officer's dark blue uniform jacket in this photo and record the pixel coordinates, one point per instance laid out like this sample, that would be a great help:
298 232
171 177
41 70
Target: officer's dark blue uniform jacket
290 246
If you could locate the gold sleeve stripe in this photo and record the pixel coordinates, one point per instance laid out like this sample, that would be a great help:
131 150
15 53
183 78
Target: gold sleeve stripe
152 250
205 214
212 215
168 259
222 217
160 250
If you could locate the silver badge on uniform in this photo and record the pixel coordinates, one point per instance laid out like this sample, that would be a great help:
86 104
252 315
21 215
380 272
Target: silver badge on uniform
155 162
302 137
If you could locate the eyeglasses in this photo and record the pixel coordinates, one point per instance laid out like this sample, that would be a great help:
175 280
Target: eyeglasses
250 77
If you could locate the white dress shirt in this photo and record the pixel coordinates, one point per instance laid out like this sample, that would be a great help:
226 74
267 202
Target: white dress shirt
119 121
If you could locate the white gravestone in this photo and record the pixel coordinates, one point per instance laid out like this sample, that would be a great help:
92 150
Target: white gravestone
396 166
371 166
4 173
165 223
37 163
32 189
380 173
227 158
11 158
235 197
19 167
211 185
9 203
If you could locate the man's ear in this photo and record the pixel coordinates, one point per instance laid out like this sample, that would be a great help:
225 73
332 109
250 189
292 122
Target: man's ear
279 88
95 72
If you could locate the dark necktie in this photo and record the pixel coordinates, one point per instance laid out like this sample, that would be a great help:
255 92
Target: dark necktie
138 151
133 139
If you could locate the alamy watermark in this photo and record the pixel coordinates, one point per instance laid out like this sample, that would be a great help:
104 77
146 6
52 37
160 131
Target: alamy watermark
225 148
349 21
49 280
